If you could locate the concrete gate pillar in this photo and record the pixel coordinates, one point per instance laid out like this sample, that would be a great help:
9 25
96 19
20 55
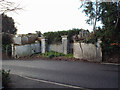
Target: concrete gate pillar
43 44
99 51
13 50
65 44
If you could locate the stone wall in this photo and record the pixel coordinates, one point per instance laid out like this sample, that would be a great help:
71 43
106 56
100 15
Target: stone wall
25 39
71 48
25 50
87 51
65 44
44 45
62 47
56 47
17 40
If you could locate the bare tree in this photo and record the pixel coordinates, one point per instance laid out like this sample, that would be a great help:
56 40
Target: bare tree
7 6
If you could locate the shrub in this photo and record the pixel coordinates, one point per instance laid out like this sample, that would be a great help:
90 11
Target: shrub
52 54
69 55
5 78
55 37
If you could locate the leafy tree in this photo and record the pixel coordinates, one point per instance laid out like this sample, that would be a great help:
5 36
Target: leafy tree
8 30
91 10
109 14
106 12
38 33
8 25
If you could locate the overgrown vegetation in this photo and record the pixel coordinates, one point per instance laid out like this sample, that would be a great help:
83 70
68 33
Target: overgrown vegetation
7 49
5 78
52 54
69 55
110 49
109 14
55 37
8 30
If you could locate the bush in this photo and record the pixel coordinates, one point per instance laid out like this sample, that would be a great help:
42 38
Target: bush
55 37
69 55
5 78
52 54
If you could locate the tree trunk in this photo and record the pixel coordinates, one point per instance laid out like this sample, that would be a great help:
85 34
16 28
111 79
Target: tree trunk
94 25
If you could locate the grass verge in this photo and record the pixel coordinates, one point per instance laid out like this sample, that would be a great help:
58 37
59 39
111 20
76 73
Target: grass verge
52 54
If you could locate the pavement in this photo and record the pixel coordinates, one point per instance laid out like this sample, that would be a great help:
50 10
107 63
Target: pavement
61 74
22 82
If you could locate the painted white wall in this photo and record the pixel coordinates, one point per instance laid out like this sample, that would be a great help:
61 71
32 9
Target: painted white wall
90 52
17 40
26 50
56 48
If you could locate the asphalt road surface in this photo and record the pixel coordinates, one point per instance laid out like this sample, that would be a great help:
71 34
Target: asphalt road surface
79 74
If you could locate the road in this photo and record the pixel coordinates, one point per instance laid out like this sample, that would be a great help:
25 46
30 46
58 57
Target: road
81 74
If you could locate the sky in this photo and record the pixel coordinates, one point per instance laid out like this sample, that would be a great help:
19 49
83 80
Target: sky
48 15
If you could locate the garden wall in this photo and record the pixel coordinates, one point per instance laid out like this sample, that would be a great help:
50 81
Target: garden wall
71 48
25 50
59 47
26 39
88 52
56 47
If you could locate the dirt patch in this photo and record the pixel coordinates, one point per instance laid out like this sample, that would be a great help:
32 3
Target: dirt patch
63 58
67 59
4 56
40 57
33 57
113 58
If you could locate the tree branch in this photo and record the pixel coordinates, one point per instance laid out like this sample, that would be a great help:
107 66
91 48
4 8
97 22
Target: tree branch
6 6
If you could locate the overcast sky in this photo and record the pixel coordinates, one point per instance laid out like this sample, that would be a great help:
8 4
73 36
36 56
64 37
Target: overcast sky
49 15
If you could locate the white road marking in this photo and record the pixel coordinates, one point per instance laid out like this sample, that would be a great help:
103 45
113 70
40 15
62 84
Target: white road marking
111 64
50 82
